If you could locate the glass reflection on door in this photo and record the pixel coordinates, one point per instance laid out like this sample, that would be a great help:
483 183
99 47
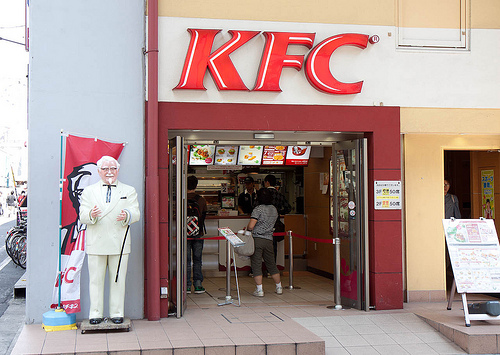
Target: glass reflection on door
177 235
349 213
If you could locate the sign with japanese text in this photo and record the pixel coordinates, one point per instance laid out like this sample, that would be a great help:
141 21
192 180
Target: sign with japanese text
298 155
474 253
250 155
274 155
387 195
231 237
488 194
226 155
201 154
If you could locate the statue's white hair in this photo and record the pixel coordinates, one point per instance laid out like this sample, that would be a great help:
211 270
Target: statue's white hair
107 158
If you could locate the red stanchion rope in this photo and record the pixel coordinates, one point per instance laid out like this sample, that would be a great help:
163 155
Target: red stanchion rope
209 238
317 240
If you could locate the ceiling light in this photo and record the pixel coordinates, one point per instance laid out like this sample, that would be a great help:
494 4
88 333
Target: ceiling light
263 136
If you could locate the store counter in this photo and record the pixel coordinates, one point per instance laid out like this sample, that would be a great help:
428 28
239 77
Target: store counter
235 223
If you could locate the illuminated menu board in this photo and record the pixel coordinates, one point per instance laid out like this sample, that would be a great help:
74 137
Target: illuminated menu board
201 154
274 155
250 155
226 155
298 155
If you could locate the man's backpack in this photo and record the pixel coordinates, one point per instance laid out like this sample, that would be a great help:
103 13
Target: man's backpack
194 220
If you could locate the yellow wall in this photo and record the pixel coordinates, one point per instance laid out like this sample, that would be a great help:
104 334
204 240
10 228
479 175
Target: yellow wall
484 13
457 121
423 173
432 13
367 12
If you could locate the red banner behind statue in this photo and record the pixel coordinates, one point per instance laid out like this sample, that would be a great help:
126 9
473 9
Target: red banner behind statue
80 170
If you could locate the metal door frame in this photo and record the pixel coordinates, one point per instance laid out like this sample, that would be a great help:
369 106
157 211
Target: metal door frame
177 225
361 201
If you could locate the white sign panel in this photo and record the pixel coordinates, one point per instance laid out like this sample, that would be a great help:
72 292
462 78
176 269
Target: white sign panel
474 253
231 237
387 195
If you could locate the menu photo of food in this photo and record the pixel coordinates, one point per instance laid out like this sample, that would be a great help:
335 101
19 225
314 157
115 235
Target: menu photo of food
227 202
201 154
274 155
226 155
298 155
250 155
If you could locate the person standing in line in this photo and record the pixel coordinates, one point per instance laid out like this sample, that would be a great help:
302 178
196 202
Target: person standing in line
451 205
198 204
248 198
279 201
261 225
108 207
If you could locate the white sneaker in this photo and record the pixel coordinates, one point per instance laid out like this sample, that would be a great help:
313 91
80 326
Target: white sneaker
258 293
279 290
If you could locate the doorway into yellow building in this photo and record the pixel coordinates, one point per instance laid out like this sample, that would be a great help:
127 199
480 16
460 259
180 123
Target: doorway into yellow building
475 180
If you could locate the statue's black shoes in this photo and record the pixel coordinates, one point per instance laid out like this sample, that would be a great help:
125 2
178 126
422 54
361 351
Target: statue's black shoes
95 320
117 320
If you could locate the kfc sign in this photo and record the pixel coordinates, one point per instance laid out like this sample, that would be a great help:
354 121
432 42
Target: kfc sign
200 57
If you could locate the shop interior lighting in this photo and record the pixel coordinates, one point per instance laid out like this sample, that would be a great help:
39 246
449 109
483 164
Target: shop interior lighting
251 170
263 136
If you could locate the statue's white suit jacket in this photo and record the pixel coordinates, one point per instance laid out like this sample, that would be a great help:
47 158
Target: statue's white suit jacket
104 234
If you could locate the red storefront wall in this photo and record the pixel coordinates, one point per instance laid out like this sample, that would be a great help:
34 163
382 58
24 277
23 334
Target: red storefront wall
380 125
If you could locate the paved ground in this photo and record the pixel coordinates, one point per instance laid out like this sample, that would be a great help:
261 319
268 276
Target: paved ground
9 272
11 324
274 324
12 311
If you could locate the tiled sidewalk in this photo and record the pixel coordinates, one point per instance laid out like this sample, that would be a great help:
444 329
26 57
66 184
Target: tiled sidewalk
297 322
374 333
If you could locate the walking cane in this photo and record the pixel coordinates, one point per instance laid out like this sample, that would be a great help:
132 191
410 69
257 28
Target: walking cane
121 253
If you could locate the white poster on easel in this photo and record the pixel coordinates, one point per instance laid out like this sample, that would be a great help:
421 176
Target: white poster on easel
474 254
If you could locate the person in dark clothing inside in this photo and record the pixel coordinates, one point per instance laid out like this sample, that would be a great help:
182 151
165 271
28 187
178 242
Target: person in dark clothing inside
451 206
279 201
195 247
247 200
451 209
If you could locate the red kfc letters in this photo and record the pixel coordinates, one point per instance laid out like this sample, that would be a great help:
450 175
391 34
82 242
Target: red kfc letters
275 58
199 58
318 68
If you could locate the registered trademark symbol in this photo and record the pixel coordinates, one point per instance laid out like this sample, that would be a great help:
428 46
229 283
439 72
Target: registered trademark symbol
374 39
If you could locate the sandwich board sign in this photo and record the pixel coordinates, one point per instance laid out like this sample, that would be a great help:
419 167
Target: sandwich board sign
475 258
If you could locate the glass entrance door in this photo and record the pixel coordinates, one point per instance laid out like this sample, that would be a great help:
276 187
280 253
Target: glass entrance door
177 226
349 210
